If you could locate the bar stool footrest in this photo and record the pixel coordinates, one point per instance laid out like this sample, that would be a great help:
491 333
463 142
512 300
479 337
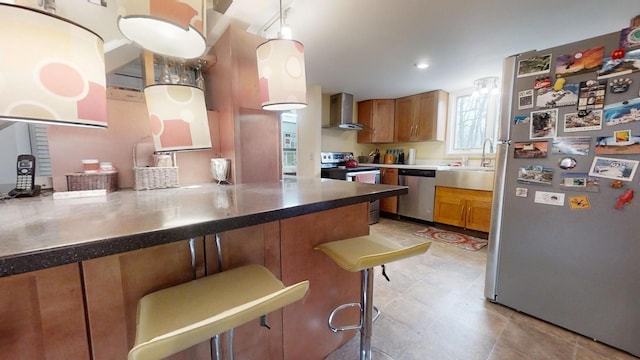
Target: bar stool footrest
336 329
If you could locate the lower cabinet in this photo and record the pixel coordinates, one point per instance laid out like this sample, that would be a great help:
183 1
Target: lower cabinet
389 176
42 315
88 310
469 209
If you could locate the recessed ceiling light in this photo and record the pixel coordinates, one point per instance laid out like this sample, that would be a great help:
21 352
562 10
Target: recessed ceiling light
421 66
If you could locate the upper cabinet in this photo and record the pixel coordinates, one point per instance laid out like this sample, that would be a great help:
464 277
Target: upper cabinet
377 117
421 117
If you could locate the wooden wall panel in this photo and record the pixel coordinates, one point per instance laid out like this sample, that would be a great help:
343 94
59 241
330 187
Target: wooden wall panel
259 244
114 284
42 315
330 285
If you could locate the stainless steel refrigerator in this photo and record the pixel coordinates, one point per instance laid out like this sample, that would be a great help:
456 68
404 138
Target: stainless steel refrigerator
559 250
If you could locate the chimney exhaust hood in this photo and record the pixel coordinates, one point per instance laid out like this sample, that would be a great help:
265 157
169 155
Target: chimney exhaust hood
341 112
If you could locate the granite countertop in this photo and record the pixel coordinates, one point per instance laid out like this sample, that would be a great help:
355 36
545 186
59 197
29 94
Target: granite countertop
431 167
37 233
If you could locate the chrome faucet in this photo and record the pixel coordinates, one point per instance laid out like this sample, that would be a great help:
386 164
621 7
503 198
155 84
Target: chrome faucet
484 162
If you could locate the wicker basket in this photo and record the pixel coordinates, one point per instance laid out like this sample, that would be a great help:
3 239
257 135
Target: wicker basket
154 177
97 181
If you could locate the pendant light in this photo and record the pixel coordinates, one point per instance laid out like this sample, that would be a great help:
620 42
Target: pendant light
281 73
52 70
178 116
166 27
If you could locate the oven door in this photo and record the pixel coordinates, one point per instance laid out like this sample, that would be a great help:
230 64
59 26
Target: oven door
372 177
368 176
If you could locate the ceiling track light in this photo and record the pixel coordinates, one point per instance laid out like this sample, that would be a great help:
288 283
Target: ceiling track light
486 85
281 73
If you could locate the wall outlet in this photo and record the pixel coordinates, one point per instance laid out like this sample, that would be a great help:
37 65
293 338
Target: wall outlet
45 182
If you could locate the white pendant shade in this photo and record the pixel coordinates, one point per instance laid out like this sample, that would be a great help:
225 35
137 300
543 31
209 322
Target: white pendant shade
281 74
166 27
178 117
51 70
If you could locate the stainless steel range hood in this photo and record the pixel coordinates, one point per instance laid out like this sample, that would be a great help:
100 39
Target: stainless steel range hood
341 112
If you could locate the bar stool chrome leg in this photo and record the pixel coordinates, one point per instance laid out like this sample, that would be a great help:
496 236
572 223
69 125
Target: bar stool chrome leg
362 254
366 331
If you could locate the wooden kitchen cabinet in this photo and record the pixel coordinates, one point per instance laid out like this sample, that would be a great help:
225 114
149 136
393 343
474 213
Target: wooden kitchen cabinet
469 209
389 176
421 117
377 117
42 315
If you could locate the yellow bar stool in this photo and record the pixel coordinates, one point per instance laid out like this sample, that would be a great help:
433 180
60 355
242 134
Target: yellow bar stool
176 318
363 254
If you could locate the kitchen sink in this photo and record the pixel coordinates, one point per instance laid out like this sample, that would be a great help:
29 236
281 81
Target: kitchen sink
468 177
470 168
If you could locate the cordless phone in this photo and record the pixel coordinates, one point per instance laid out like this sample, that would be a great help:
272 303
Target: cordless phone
26 166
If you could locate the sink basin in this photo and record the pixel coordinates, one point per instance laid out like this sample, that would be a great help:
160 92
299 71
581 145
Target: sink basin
471 168
468 177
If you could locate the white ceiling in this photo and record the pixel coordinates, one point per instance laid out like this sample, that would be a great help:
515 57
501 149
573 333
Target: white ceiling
368 47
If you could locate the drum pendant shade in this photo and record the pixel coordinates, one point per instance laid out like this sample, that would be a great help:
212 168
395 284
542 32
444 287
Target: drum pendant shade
166 27
281 75
178 117
52 70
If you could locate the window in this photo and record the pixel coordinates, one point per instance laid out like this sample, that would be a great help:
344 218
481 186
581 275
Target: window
472 119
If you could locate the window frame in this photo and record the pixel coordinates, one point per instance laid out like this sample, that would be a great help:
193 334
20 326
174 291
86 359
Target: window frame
491 128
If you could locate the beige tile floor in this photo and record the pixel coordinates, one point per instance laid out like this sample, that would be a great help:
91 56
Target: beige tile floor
434 308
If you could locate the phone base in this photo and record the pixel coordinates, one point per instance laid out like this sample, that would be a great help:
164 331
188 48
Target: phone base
15 193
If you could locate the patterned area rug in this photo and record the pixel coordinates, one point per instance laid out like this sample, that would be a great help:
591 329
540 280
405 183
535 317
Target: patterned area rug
453 238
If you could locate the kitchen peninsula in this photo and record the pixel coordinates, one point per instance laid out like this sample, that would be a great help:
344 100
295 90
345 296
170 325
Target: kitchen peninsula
73 270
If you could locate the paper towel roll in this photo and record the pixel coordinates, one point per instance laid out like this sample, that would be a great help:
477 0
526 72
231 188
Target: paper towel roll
411 160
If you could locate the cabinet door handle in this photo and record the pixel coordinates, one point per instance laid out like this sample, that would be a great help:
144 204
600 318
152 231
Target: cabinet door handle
462 211
468 215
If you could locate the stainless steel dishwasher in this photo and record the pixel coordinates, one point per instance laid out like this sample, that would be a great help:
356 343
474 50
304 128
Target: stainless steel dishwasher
418 203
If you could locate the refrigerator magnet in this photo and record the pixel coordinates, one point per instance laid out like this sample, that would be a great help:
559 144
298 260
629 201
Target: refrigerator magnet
534 66
610 168
592 120
549 198
579 202
525 99
522 192
543 124
521 119
579 182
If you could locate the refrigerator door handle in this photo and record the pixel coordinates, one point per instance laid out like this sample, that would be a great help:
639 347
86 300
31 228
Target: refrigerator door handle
502 150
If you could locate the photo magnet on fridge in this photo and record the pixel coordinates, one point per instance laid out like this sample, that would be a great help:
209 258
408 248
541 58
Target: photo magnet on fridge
579 62
534 66
630 63
618 169
579 182
571 145
622 112
525 99
630 37
611 145
591 94
530 150
521 119
543 124
535 175
549 97
591 121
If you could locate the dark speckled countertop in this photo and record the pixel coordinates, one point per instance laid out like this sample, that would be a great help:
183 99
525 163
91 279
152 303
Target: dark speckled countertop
37 233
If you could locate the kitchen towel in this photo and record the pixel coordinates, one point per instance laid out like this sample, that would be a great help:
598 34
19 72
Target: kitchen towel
369 178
